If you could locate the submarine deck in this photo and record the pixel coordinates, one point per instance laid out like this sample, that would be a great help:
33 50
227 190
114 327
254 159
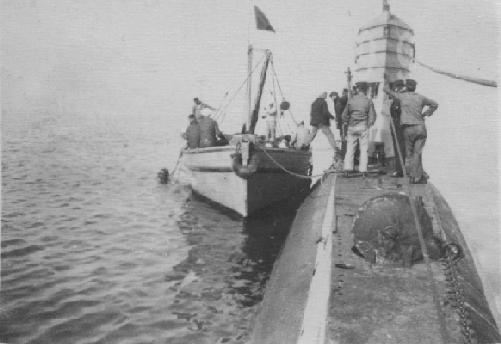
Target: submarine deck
322 292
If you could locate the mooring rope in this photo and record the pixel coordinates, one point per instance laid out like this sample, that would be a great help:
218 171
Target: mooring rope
424 249
283 168
178 162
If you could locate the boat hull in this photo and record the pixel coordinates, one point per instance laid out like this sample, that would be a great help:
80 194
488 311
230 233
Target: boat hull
212 174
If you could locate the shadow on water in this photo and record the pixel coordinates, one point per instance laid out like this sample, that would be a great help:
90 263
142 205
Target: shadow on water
218 286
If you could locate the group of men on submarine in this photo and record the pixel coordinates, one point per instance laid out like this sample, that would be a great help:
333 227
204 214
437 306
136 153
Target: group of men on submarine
403 115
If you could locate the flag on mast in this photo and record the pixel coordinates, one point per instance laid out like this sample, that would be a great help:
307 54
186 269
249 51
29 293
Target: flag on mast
262 23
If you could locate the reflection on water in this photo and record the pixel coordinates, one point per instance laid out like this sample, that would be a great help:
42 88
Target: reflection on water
94 250
218 286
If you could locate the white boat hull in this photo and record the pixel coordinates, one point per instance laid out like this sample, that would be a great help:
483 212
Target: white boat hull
213 176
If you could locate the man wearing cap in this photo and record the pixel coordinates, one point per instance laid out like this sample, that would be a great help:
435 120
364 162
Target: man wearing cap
198 106
359 115
209 131
320 118
413 127
396 130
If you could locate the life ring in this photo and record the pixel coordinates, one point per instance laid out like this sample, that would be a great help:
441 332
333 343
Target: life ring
244 172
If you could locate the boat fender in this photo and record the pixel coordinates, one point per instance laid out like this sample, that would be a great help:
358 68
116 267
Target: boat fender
244 172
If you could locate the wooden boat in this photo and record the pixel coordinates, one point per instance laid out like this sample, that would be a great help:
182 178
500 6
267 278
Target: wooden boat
218 174
330 286
247 175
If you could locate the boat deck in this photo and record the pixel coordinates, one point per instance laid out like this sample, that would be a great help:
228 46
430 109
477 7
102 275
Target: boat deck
321 292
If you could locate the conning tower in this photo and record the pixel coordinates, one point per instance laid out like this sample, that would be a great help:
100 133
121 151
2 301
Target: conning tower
385 45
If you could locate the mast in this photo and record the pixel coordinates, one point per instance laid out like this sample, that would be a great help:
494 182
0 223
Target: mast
257 103
249 87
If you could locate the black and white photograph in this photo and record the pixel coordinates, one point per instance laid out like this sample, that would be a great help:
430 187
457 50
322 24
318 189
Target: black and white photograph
250 172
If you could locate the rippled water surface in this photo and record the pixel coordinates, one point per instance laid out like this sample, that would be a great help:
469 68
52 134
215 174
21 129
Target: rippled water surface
94 250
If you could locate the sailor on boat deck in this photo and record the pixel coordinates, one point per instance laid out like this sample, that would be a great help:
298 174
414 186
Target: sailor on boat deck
198 106
192 134
397 86
360 115
301 137
413 127
271 122
320 118
209 132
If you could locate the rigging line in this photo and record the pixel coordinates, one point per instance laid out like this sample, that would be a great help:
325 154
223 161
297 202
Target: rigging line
243 83
280 119
280 89
479 81
277 118
424 249
240 87
218 111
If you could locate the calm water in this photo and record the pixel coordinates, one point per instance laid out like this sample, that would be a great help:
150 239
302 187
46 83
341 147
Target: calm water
94 250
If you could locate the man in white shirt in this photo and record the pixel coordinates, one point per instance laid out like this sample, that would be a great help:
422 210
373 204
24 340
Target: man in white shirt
301 138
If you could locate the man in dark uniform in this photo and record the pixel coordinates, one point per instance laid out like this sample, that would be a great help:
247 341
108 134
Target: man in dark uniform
334 96
360 115
320 118
341 104
192 134
413 127
396 130
209 132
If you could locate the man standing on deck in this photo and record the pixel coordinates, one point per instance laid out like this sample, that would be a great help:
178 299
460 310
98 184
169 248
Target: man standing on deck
320 118
335 98
413 127
271 123
209 132
360 115
339 107
397 86
192 134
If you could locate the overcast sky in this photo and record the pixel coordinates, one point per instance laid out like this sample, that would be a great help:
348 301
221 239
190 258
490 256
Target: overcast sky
152 57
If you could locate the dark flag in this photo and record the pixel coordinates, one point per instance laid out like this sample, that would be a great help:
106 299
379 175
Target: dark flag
262 23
